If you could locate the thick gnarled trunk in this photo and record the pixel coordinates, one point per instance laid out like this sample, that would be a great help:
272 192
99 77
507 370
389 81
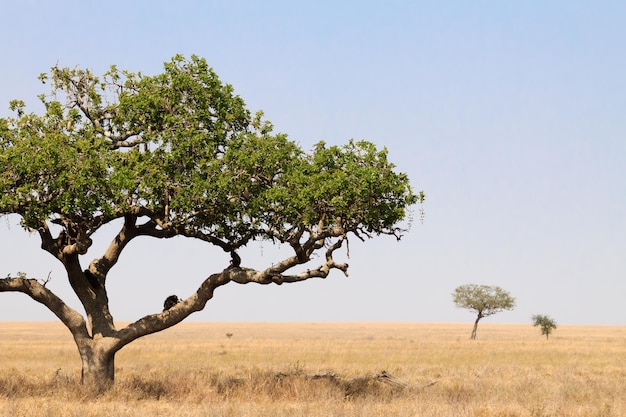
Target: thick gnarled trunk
98 364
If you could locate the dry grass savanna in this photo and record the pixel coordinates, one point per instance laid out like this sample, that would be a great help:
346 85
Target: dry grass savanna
323 369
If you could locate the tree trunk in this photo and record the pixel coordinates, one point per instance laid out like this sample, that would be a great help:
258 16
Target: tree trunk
473 336
98 365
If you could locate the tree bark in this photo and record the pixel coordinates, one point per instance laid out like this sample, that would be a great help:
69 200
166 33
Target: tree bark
473 336
98 363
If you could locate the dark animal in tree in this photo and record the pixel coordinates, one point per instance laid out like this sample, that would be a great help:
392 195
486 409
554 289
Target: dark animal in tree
170 302
93 280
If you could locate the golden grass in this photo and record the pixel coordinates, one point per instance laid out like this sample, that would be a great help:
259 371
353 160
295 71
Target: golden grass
264 369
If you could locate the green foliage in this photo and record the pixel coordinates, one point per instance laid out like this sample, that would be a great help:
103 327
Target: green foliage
545 323
182 149
483 299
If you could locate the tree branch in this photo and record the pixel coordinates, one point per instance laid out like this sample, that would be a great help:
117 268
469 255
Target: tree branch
275 274
128 140
38 292
324 269
196 302
48 243
227 247
101 267
168 318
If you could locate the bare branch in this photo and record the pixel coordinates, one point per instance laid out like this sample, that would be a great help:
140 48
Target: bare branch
227 247
48 243
323 270
128 140
196 302
100 267
45 282
168 318
38 292
275 274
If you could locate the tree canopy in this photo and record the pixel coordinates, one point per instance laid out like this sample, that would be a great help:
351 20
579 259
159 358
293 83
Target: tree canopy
182 149
484 300
179 154
545 323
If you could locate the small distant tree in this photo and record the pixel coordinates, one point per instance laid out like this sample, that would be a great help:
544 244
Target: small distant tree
485 300
546 324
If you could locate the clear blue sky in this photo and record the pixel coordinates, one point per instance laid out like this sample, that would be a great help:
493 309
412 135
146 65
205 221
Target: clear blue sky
510 115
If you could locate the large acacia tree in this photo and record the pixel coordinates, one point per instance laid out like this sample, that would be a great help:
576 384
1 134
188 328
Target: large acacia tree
178 154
